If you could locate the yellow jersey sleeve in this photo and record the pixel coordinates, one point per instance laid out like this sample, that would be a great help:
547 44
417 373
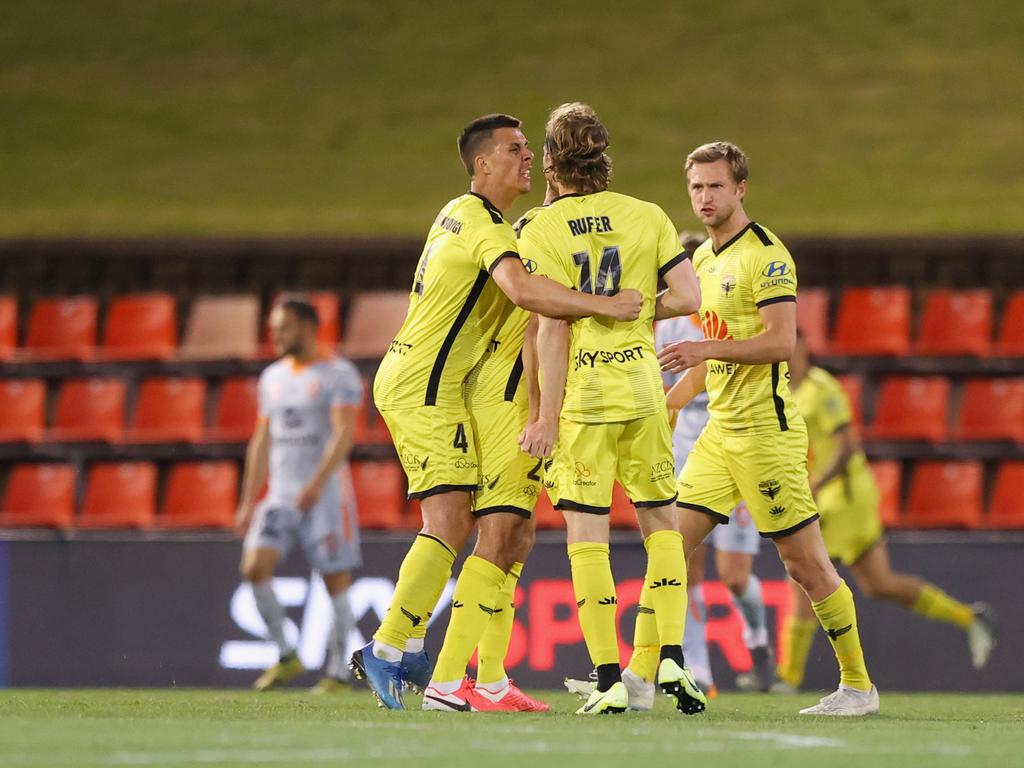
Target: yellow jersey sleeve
773 275
492 244
670 252
537 252
832 408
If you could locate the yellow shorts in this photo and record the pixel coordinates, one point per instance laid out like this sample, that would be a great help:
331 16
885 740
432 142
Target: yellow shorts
510 480
437 449
589 458
766 470
850 522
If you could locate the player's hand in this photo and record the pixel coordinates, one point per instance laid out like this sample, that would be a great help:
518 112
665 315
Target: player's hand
539 438
310 496
243 518
626 305
680 355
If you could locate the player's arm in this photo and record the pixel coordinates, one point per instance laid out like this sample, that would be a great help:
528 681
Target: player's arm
257 458
846 437
531 365
546 297
687 387
553 357
343 430
682 297
773 345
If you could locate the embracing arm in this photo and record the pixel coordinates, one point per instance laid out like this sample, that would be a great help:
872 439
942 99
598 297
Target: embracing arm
553 356
848 445
531 366
683 294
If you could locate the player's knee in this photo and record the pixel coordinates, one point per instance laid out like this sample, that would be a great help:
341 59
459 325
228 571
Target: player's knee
735 581
810 575
254 572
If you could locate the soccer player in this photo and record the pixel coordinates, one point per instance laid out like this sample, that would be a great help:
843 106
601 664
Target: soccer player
308 407
754 446
467 275
845 491
613 423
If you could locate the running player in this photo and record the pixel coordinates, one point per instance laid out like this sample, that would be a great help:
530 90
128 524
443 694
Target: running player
308 407
754 446
845 491
612 424
468 267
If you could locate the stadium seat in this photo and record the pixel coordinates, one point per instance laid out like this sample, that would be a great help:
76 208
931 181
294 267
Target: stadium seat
888 476
370 426
119 495
61 329
956 323
853 385
623 515
873 321
237 410
39 496
8 326
328 309
140 327
380 493
1007 507
1011 330
945 494
912 408
200 495
812 318
548 518
22 410
991 409
222 327
373 322
89 409
169 411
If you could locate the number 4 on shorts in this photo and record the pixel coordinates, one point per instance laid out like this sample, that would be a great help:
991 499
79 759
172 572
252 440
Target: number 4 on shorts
460 438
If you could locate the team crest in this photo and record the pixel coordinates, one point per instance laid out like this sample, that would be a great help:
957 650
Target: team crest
728 285
769 488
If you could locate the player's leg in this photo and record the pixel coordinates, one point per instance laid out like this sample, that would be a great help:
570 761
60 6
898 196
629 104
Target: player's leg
695 643
336 671
797 637
496 637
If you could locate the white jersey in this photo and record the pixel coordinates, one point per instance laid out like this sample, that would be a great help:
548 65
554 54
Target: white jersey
297 402
694 415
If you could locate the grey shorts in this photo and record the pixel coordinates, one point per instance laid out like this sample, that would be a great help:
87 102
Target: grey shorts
328 533
739 536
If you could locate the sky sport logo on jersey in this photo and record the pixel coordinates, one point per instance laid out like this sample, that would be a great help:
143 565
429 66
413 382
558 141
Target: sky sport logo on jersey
590 358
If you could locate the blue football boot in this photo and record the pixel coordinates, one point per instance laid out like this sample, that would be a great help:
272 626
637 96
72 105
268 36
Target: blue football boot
418 670
386 679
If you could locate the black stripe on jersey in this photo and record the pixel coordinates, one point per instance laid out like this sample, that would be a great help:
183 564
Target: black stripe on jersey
761 234
513 378
731 240
449 341
674 262
791 529
492 209
497 261
775 300
780 404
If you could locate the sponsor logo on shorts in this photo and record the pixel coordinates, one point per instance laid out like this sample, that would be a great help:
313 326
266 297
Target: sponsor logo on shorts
728 285
531 490
589 359
582 473
412 461
776 511
488 482
464 463
662 470
769 489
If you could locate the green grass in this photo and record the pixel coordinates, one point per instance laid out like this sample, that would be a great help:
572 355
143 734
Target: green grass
189 727
288 117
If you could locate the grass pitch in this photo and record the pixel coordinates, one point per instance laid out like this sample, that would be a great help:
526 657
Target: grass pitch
234 728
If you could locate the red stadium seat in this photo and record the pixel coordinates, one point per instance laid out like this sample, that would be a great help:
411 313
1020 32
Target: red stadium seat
945 494
141 327
8 326
373 322
237 411
992 409
548 518
873 321
119 495
912 408
812 318
22 410
623 515
956 323
380 493
1007 507
62 329
853 385
169 411
888 476
89 409
1011 331
200 495
39 496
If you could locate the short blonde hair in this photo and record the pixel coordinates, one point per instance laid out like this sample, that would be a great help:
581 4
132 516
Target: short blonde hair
720 150
576 142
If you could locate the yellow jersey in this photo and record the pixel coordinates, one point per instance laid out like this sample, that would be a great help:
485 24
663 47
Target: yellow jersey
826 409
454 308
750 271
602 243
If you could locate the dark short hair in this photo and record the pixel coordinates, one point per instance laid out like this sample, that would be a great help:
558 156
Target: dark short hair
478 132
299 306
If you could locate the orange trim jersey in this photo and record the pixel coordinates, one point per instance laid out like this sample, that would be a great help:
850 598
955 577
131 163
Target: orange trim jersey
751 271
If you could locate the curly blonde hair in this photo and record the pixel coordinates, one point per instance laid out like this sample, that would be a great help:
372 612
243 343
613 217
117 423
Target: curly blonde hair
576 142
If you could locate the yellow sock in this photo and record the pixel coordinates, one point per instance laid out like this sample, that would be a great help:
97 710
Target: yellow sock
421 580
494 642
797 638
935 604
838 617
666 581
476 592
595 597
646 645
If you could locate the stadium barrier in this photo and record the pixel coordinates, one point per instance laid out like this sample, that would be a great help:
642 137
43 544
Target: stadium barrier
104 610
